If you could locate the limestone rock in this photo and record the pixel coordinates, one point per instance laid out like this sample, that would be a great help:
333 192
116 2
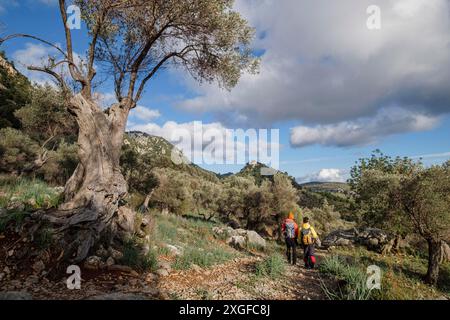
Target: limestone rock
162 272
110 261
237 242
372 238
176 251
115 254
93 263
254 239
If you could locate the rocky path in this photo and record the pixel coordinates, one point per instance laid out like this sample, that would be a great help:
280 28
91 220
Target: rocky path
236 280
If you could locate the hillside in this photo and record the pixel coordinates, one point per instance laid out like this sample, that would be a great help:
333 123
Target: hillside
157 152
14 93
261 172
335 187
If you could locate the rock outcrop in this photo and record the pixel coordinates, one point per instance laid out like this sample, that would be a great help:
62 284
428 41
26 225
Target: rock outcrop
445 252
240 238
372 238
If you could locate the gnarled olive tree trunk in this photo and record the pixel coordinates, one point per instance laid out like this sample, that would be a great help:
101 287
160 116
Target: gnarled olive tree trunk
434 259
93 194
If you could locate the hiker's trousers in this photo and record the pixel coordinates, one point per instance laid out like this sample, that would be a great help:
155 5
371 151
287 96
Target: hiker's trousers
308 255
291 250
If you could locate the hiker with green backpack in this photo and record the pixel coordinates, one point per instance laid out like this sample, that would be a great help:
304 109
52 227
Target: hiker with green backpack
289 229
308 237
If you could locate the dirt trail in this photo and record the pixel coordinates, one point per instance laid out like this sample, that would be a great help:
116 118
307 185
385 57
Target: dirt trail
236 280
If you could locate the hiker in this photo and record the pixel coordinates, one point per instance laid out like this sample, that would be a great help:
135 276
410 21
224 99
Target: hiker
290 232
308 237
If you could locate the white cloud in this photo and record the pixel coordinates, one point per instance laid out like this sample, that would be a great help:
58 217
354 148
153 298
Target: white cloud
325 175
322 66
442 155
363 131
33 55
37 54
212 143
144 113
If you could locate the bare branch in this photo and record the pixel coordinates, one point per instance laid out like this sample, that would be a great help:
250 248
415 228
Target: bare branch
160 64
22 35
76 75
49 71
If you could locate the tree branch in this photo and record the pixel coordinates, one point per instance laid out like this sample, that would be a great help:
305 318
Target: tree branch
22 35
49 71
76 75
158 66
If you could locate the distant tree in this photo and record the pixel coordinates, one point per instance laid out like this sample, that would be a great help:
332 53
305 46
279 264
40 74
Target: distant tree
231 202
259 206
18 151
45 116
285 198
205 195
173 191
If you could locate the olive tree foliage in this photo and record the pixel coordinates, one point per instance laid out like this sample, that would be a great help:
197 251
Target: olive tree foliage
403 196
130 41
425 197
258 207
232 202
15 92
45 117
44 146
374 180
17 151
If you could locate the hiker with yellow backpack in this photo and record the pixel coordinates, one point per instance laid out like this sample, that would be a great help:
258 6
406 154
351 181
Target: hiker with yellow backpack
308 237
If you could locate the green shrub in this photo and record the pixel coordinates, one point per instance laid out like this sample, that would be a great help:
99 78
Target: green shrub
133 257
351 283
11 217
202 257
272 266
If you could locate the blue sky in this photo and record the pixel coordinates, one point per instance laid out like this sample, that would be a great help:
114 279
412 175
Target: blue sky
334 89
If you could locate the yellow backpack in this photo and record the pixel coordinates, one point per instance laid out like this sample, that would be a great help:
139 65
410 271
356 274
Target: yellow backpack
306 236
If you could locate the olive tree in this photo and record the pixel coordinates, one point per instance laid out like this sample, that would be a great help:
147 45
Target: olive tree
425 198
130 41
403 196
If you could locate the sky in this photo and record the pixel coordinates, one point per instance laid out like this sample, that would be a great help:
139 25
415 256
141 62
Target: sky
334 88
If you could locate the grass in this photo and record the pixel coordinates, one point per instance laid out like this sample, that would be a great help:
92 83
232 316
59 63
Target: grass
202 257
33 194
402 275
272 266
351 280
133 257
195 236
